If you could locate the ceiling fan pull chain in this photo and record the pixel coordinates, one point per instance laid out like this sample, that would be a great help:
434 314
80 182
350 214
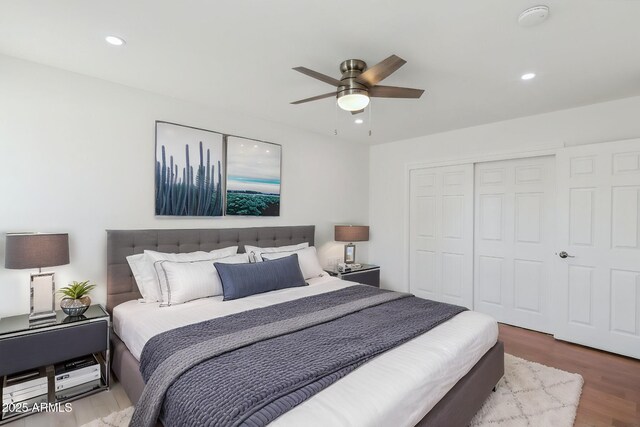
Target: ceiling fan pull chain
335 120
370 123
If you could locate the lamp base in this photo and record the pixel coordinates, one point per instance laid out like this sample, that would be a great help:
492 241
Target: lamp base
42 298
349 253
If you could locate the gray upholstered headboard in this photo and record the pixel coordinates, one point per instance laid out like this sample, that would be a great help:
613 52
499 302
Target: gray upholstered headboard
121 286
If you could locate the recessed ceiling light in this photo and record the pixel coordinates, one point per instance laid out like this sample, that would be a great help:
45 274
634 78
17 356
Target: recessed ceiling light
528 76
255 146
267 151
358 121
116 41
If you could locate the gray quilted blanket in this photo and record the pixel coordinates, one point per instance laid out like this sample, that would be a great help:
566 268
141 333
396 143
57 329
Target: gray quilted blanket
249 368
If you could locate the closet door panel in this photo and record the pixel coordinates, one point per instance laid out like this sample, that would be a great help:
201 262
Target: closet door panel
441 234
513 245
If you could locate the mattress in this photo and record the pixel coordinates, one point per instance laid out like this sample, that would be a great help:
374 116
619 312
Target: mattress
396 388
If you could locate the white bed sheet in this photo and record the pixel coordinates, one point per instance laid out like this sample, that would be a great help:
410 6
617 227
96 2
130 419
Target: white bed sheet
397 388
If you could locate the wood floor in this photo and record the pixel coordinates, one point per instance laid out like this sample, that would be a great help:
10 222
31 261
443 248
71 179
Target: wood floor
610 397
611 392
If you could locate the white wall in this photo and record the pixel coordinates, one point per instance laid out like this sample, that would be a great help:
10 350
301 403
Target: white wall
609 121
77 156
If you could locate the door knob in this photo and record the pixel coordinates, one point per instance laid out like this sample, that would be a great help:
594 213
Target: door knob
564 254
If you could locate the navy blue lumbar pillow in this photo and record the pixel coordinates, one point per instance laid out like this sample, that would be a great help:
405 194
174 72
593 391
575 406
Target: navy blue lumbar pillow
242 280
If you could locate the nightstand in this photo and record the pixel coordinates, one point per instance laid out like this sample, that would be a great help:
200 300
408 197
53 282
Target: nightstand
368 274
25 347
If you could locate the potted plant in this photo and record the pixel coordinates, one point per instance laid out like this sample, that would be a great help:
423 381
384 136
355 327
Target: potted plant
75 298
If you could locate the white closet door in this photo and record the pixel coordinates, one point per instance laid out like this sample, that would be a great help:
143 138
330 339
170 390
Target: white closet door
514 236
441 234
598 282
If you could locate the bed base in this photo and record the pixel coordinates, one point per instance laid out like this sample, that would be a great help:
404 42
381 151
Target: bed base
126 368
456 408
464 400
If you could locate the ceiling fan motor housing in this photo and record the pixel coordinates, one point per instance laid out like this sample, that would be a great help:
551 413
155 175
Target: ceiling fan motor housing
350 69
352 65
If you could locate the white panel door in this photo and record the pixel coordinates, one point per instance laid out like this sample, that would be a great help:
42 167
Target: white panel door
598 276
441 234
514 240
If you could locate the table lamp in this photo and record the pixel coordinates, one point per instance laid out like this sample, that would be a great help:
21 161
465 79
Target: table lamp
351 233
38 250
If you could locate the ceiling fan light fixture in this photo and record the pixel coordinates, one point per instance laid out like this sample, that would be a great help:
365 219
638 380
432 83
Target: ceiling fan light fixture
353 100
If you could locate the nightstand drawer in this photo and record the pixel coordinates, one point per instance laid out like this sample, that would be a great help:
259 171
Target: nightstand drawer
23 352
366 277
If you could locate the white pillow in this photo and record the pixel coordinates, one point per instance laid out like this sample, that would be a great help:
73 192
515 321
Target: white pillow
142 269
145 273
155 259
190 280
307 258
257 252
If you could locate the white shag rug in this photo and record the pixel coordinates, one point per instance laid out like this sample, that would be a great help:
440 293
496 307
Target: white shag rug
114 419
529 394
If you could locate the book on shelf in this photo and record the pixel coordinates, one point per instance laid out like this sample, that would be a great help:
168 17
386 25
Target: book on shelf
78 390
6 414
24 380
75 380
77 373
20 395
75 364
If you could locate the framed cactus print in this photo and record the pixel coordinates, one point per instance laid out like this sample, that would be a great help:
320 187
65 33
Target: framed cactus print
253 177
189 172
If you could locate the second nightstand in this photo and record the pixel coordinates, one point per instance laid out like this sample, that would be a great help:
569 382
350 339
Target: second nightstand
368 274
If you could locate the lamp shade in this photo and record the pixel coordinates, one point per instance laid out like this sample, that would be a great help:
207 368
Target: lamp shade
36 250
352 233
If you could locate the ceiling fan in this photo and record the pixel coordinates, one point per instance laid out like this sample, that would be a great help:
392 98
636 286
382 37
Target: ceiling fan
358 83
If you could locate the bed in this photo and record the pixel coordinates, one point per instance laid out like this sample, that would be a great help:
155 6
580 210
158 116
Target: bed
439 378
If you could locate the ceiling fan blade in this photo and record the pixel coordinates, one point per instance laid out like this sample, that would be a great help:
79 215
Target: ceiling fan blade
395 92
314 98
357 112
381 71
318 76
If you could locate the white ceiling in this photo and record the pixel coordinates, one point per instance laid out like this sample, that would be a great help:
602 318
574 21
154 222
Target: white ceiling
238 55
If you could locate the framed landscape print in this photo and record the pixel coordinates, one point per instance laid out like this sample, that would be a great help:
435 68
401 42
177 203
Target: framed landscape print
253 177
189 171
